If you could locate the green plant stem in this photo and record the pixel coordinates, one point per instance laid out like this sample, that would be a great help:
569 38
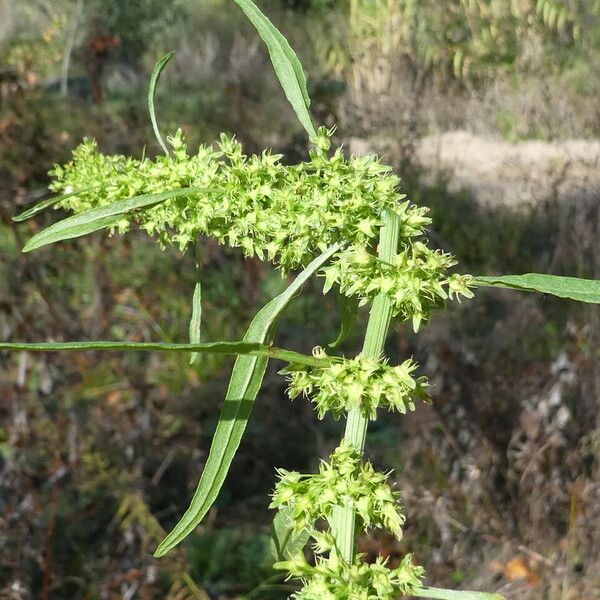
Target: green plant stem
356 425
232 348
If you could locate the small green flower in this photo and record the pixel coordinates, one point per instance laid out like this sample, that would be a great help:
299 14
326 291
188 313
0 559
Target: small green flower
417 281
285 214
334 579
360 382
344 480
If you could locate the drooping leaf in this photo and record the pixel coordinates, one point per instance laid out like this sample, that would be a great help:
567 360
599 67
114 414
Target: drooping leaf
158 69
196 320
246 380
582 290
348 311
99 218
284 543
40 206
232 348
444 594
285 62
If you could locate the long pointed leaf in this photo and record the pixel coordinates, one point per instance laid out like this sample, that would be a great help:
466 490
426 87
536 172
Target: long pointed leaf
158 69
246 380
582 290
285 62
99 218
233 348
40 206
444 594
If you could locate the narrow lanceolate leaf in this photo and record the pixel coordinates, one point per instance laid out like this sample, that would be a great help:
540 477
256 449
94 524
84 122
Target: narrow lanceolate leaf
196 320
285 62
582 290
444 594
232 348
158 69
99 218
286 544
348 310
246 380
40 206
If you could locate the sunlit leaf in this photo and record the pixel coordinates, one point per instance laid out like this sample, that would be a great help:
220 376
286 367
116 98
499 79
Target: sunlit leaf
158 69
285 62
40 206
246 380
99 218
582 290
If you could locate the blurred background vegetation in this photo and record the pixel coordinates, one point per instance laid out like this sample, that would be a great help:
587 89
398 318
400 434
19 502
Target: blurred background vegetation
489 110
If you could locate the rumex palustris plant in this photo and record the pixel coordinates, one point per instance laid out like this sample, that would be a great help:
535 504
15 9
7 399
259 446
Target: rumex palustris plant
341 218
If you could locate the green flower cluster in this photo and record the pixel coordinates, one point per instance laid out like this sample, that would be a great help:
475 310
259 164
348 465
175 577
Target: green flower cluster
343 481
331 578
359 382
416 281
285 214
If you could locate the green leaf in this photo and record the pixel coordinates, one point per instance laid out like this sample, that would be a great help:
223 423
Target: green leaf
233 348
284 543
348 309
40 206
196 320
582 290
246 380
99 218
444 594
158 69
285 62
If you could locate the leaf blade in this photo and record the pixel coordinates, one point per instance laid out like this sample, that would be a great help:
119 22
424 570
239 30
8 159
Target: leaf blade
246 380
574 288
40 206
285 62
231 348
99 218
284 544
156 72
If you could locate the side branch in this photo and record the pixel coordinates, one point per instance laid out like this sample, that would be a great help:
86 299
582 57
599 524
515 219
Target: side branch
232 348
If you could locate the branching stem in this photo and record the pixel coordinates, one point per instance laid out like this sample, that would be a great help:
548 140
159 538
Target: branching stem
232 348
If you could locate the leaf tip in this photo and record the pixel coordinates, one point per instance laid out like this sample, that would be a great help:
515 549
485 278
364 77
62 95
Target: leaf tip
160 552
165 547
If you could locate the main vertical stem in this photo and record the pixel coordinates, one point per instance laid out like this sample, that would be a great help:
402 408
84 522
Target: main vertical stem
356 424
